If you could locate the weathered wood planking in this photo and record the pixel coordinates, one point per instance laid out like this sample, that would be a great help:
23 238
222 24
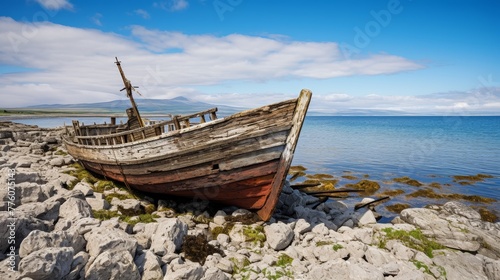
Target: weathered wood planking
240 160
286 158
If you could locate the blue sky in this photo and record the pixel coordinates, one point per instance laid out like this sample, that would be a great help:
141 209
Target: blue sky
407 57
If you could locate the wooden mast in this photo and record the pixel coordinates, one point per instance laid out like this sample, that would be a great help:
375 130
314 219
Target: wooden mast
128 87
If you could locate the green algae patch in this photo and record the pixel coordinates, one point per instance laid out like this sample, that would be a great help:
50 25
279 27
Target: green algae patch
429 193
296 172
323 243
435 185
395 192
470 179
196 248
349 177
408 181
246 219
398 207
254 234
142 218
369 187
296 168
120 196
319 176
81 174
414 239
104 215
487 215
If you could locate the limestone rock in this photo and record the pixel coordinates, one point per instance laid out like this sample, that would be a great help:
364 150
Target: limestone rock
118 265
460 265
278 235
57 162
461 209
47 210
219 217
71 211
78 266
365 218
168 236
21 226
213 273
143 236
301 227
129 207
84 187
148 265
448 234
48 263
101 240
186 271
97 203
39 240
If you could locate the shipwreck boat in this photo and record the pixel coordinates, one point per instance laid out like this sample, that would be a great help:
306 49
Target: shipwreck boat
240 160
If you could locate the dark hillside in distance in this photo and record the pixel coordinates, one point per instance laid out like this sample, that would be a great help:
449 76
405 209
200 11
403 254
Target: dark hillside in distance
175 106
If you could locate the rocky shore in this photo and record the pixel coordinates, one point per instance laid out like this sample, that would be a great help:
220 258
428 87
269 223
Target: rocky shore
59 222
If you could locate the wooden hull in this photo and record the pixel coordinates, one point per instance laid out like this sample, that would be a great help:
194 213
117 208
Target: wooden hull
239 160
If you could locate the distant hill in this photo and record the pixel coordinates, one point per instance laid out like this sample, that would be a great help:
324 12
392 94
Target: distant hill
176 106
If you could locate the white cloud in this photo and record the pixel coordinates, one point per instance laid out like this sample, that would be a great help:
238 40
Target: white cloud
144 14
75 65
55 4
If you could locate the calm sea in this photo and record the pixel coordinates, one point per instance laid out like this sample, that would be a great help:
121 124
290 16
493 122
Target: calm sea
427 149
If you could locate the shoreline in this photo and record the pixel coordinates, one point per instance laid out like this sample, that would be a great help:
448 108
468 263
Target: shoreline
81 225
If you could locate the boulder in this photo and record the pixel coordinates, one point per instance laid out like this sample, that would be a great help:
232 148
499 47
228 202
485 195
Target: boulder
47 210
97 203
129 207
213 273
48 263
452 235
278 235
143 236
460 265
363 218
148 265
57 162
84 187
461 209
185 271
19 227
39 240
72 210
301 227
118 265
78 266
101 240
168 236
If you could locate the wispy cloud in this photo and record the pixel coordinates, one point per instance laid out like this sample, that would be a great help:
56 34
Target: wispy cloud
172 5
55 4
96 19
142 13
73 65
